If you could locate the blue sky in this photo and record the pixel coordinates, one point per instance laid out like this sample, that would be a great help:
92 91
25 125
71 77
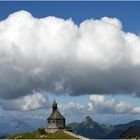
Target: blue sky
126 12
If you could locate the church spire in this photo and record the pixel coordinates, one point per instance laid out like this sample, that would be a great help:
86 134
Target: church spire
54 106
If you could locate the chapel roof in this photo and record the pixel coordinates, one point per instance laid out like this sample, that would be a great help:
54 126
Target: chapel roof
56 115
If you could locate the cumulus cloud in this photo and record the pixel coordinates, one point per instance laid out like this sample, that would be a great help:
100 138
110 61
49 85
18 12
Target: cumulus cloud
33 101
75 109
100 104
57 56
136 110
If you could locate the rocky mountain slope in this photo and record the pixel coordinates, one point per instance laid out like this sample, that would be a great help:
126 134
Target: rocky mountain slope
92 129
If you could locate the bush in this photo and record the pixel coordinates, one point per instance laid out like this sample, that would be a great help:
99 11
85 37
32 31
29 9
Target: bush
41 131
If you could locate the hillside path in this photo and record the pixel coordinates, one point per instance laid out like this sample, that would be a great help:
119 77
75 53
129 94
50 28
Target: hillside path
76 135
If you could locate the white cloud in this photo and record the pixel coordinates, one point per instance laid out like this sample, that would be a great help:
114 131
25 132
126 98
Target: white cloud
103 105
97 98
136 110
34 101
75 109
99 105
57 56
29 102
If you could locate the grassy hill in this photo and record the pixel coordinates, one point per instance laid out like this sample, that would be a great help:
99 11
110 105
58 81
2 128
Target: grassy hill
41 134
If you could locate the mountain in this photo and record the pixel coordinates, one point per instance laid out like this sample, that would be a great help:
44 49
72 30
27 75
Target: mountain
87 128
8 128
8 125
119 129
131 132
115 134
91 129
127 125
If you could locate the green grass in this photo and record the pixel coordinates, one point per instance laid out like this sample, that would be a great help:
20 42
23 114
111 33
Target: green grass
41 134
59 135
132 138
32 135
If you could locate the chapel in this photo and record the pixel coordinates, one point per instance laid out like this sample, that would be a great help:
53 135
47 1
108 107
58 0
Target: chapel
55 120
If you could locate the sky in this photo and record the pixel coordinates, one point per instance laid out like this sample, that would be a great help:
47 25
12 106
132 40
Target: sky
127 12
86 55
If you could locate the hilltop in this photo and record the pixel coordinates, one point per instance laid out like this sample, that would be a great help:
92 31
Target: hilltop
87 128
41 134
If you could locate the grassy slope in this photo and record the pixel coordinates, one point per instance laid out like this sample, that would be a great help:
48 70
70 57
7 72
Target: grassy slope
42 135
59 135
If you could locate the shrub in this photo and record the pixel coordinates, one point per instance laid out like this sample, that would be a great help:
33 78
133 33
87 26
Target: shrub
41 131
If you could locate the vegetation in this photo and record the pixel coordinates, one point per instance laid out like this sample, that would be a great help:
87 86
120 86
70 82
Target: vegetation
133 138
32 135
41 131
59 135
41 134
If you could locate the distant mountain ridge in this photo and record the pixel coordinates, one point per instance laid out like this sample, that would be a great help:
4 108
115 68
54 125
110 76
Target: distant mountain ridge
87 128
92 129
131 132
8 126
120 128
12 128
